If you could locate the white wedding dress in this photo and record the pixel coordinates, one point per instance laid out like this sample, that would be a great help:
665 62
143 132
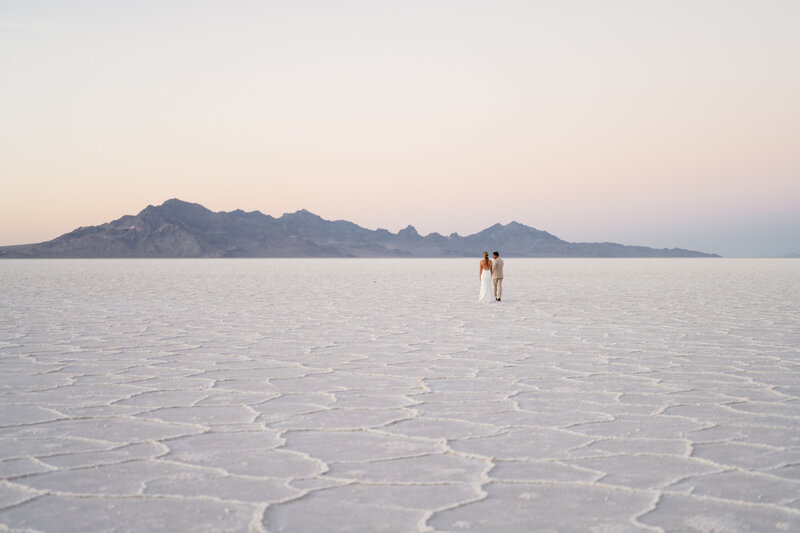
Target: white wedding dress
487 288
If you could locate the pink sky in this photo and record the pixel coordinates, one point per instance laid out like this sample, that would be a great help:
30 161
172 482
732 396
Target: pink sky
661 124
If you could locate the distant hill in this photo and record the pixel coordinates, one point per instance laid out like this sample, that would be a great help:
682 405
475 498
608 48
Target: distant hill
181 229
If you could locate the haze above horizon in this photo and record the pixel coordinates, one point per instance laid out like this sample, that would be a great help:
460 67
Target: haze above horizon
663 125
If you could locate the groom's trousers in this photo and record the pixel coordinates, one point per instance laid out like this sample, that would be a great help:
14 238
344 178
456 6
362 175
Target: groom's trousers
498 287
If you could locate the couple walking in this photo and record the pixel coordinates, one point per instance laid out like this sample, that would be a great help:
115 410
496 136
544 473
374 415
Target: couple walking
491 278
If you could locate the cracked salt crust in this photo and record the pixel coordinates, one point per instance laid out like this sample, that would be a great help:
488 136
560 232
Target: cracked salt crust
600 395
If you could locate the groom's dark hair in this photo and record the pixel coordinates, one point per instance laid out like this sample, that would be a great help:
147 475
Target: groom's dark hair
496 253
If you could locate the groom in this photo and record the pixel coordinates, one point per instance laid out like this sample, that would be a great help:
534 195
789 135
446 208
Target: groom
497 276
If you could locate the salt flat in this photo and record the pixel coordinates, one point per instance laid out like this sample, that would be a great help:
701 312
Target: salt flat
378 395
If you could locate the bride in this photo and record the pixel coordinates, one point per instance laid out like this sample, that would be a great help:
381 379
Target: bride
487 294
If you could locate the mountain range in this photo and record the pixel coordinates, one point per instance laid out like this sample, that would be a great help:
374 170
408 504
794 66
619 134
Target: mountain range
182 229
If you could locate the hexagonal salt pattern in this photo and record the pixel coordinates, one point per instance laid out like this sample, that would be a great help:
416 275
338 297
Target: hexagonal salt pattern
378 395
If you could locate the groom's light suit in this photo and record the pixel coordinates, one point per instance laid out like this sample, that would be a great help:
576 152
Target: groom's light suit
497 277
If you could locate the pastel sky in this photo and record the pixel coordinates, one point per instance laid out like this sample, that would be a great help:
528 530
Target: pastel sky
660 123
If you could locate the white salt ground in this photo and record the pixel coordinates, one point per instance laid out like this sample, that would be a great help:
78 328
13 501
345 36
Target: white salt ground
378 395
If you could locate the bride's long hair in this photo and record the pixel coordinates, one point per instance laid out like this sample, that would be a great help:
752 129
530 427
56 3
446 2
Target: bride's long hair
486 257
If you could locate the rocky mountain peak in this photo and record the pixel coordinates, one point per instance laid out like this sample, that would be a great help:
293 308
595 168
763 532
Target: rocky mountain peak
182 229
